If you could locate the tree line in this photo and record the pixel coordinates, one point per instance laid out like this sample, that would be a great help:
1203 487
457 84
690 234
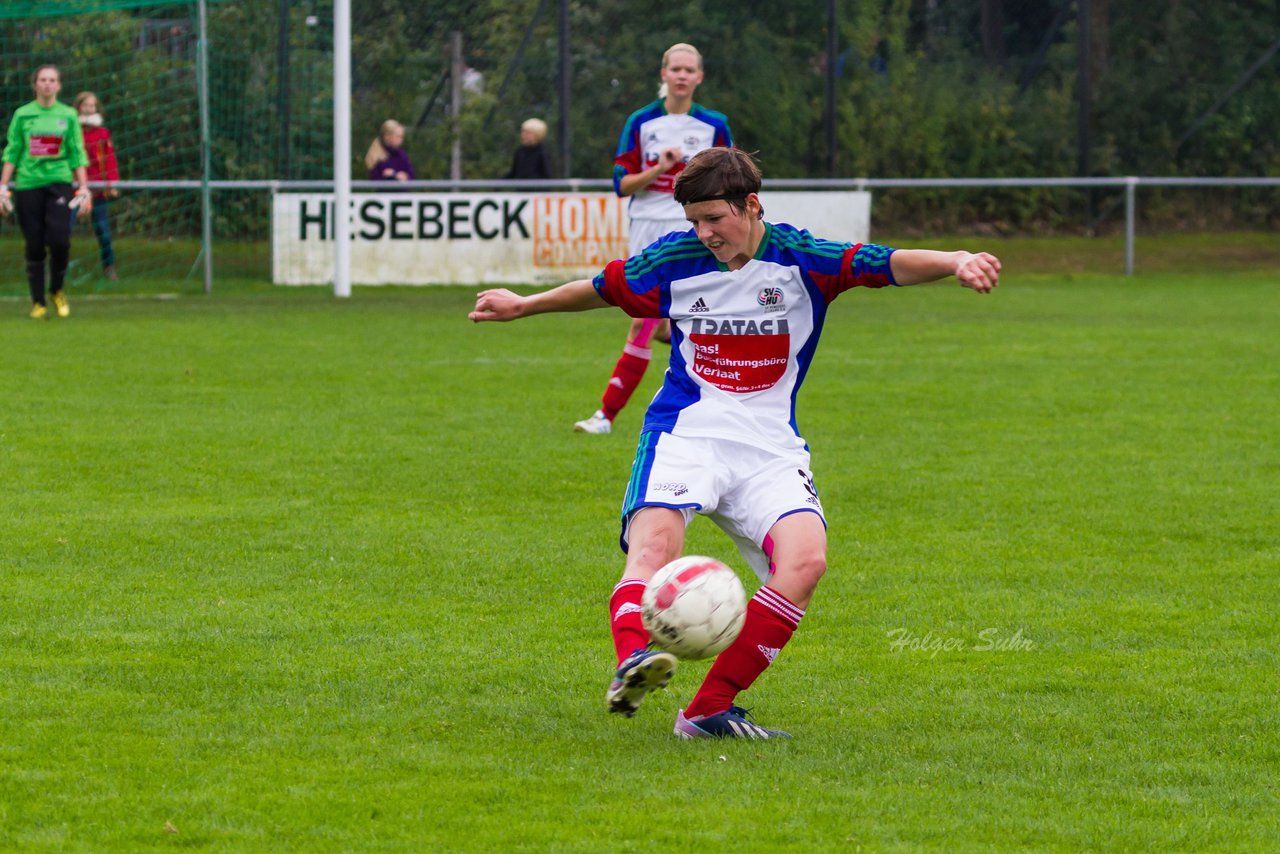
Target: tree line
990 88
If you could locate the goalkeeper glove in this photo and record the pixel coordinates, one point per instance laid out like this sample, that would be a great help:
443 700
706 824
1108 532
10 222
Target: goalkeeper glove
82 201
6 200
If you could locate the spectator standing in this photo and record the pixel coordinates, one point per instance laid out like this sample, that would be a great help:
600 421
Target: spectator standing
656 142
45 151
531 160
102 169
386 157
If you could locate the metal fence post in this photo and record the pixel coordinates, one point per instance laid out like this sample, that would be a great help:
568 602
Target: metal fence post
1130 193
206 161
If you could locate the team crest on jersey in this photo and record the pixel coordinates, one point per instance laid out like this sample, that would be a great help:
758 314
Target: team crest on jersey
691 141
771 299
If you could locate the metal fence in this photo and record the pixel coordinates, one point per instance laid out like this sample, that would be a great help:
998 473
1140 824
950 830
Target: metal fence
1129 184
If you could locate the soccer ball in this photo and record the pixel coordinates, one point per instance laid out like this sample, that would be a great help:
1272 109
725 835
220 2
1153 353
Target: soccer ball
694 607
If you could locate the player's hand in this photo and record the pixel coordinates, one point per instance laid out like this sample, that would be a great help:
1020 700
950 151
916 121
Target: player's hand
113 193
498 304
669 158
980 271
82 202
6 200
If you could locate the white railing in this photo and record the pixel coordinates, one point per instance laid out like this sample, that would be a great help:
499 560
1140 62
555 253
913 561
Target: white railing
1129 183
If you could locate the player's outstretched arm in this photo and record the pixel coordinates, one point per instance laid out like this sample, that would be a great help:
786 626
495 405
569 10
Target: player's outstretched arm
979 271
502 304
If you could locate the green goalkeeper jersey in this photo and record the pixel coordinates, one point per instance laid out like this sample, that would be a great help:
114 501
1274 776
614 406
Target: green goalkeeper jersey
45 145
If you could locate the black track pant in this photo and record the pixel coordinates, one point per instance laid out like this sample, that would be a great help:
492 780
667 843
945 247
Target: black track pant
46 222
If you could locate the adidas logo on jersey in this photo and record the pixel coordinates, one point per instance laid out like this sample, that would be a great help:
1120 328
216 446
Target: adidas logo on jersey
769 652
699 306
626 608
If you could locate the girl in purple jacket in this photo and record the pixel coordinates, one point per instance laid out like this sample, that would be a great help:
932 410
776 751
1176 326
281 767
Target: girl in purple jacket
386 159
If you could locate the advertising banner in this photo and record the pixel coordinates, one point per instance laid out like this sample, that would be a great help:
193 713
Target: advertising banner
497 238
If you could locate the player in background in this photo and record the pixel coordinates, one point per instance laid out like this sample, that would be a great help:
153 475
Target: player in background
747 300
44 149
656 142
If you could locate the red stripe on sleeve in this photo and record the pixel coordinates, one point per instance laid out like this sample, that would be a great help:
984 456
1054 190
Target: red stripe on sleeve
873 274
629 160
616 290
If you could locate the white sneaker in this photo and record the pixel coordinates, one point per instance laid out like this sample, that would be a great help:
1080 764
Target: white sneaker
597 423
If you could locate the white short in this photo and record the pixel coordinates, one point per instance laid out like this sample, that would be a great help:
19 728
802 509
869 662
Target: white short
743 488
642 232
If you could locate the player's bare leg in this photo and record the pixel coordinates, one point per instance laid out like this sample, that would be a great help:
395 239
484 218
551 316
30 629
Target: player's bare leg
799 558
655 538
627 374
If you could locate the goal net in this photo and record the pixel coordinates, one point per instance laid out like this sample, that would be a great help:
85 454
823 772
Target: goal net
269 117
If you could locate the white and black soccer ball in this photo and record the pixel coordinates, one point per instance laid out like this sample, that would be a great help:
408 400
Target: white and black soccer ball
694 607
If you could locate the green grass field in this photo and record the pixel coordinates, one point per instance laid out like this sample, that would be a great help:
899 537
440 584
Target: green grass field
175 265
289 573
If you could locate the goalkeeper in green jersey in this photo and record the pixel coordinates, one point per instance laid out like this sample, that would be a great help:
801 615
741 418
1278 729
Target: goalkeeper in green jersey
45 151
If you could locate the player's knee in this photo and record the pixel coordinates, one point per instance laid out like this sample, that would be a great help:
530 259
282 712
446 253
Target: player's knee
807 569
815 566
656 538
651 555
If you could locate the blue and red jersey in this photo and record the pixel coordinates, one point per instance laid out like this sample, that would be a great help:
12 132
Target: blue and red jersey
646 134
741 340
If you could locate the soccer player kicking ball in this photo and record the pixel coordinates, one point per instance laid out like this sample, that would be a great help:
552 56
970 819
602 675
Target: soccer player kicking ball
747 300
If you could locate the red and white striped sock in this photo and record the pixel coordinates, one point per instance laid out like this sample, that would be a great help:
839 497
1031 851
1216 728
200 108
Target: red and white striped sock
629 633
771 619
626 378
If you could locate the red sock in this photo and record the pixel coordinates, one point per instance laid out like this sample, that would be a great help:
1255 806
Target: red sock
626 378
629 633
771 618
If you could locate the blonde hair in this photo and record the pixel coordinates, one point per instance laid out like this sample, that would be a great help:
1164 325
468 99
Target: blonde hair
377 151
535 126
678 46
81 97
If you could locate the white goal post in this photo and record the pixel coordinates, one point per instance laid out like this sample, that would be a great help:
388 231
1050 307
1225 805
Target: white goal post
342 145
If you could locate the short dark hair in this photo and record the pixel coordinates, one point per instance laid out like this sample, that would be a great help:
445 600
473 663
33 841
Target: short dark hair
728 173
